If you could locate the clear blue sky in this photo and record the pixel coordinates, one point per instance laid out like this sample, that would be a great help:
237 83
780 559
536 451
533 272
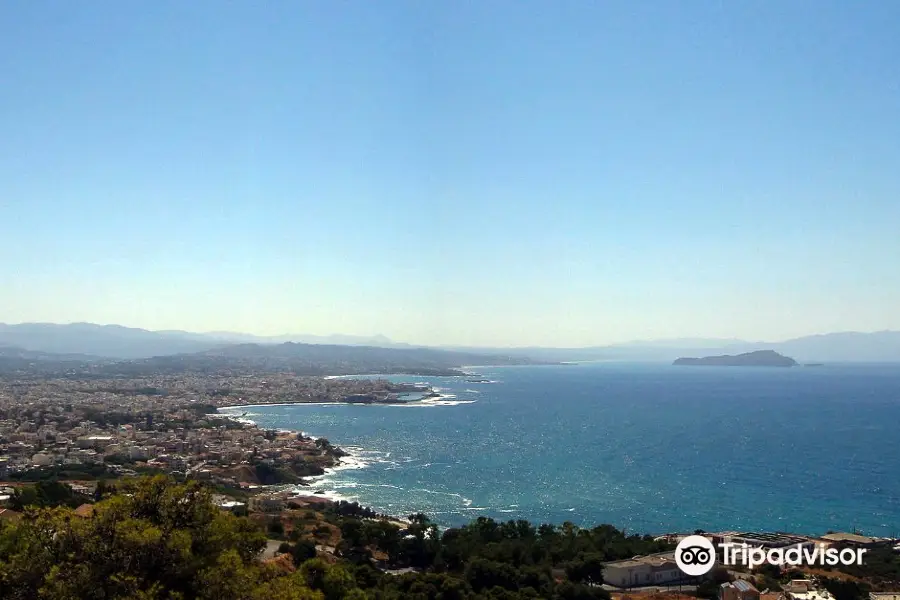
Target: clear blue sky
466 172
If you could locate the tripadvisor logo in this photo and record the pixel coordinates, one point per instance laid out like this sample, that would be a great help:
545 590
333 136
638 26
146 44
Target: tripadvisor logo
695 555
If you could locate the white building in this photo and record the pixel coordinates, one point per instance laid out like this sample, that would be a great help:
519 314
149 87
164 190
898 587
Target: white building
42 459
653 569
805 589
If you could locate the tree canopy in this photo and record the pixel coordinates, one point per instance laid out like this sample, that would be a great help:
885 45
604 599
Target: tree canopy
157 539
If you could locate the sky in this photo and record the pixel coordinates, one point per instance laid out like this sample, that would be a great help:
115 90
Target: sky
470 172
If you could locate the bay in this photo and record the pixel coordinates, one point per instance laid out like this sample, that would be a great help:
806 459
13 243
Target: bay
647 447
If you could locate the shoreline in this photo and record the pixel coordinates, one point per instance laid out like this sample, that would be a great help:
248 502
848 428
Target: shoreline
422 402
348 460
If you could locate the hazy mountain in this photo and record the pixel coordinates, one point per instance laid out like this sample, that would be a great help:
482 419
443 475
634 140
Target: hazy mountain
116 341
882 346
310 359
682 343
330 352
379 341
113 341
43 348
21 361
12 352
851 346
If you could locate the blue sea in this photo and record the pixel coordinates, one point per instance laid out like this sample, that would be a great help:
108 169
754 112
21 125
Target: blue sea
648 447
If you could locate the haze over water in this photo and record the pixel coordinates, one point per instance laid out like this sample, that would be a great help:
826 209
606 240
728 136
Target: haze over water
652 448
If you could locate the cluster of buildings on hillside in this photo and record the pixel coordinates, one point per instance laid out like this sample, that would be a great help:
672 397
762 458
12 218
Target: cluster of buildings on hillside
662 570
796 589
115 426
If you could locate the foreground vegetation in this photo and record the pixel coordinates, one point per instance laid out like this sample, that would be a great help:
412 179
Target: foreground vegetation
155 539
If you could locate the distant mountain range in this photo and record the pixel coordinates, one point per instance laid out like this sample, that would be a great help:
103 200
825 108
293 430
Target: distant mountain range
881 346
112 350
118 342
312 359
231 337
108 341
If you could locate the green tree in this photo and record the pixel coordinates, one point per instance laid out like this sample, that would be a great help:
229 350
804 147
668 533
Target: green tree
161 540
587 568
337 582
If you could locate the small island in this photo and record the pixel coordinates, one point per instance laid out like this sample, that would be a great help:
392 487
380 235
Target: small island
759 358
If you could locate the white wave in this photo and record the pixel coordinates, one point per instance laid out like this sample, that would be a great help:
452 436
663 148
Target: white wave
243 420
465 501
380 485
242 406
335 496
356 458
430 402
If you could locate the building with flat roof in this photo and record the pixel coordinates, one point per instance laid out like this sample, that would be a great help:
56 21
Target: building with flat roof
653 569
764 539
804 589
851 539
267 504
738 590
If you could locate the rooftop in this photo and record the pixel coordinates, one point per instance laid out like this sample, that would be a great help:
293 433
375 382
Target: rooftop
812 595
848 537
654 560
771 539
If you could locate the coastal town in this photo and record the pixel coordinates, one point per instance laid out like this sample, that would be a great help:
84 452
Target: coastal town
94 428
84 432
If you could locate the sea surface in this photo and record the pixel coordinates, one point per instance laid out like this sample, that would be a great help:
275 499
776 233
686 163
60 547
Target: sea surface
652 448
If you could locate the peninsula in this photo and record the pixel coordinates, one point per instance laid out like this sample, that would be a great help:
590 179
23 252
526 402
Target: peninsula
759 358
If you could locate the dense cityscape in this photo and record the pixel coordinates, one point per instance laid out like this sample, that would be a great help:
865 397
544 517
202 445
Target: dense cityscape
170 423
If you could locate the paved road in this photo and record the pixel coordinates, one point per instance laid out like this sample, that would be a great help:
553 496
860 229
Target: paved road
270 550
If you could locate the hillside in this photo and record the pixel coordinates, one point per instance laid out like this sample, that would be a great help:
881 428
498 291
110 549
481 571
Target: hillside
128 343
315 359
874 347
108 341
300 359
